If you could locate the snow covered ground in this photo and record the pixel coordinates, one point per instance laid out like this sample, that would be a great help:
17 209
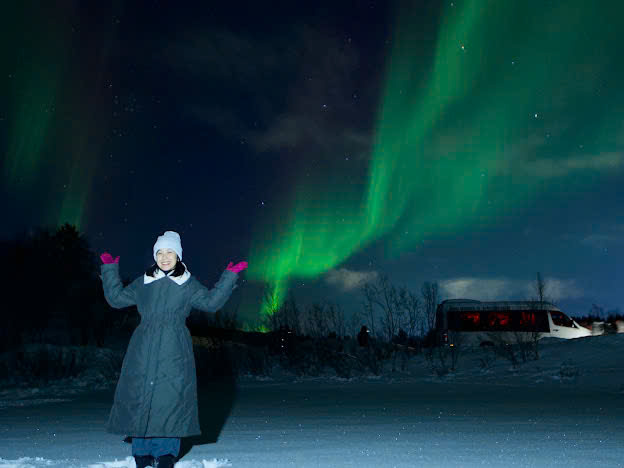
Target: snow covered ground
566 409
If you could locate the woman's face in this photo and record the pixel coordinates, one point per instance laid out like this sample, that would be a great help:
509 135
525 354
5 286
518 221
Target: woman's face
166 259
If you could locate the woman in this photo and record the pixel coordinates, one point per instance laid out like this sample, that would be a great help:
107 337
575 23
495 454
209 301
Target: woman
156 396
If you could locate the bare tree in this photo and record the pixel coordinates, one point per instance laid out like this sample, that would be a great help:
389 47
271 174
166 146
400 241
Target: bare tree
412 310
321 319
429 293
540 287
384 296
529 345
368 311
284 315
293 315
336 319
354 323
314 321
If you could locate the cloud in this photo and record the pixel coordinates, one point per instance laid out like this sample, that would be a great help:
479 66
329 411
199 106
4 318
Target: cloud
502 289
533 156
527 158
605 236
217 55
550 168
476 288
292 91
324 114
600 241
557 289
348 280
608 236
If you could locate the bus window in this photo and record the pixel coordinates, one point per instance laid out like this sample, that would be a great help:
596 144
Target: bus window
532 321
527 320
560 319
541 321
499 320
468 320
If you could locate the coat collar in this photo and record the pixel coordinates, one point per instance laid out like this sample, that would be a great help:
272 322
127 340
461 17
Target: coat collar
160 274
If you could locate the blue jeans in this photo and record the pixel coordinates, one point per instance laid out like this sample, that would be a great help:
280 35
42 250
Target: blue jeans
155 446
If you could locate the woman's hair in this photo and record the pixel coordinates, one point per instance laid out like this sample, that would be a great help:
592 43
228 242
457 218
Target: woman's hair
177 271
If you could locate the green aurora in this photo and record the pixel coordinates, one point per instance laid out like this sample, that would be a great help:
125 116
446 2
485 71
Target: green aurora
479 115
467 132
55 138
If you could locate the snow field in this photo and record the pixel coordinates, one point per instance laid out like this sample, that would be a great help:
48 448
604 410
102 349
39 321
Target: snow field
564 410
26 462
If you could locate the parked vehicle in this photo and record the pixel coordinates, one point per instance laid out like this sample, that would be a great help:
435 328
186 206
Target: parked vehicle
472 322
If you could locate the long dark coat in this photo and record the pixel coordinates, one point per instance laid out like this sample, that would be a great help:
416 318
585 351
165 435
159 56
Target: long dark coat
156 394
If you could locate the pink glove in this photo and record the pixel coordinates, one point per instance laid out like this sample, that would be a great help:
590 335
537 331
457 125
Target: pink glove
237 268
108 258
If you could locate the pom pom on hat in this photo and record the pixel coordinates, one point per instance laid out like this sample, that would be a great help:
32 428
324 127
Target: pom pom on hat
169 240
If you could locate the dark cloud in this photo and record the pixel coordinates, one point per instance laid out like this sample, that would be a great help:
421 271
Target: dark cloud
293 91
220 57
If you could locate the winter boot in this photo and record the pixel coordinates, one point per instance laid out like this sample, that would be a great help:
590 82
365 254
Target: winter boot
165 461
143 461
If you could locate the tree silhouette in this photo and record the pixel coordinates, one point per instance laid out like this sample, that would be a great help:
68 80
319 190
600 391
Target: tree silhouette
52 277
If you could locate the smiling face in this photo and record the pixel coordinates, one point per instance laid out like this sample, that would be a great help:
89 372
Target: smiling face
166 259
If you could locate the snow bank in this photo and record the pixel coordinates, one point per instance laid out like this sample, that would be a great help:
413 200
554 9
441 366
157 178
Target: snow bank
45 362
594 363
44 373
27 462
129 463
38 462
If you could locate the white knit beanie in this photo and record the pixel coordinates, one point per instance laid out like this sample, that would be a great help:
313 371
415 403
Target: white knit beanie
169 240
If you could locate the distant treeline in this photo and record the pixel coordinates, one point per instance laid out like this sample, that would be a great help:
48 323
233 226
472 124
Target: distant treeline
54 293
611 319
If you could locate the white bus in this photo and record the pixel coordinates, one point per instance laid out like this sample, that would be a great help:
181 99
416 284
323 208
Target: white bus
484 323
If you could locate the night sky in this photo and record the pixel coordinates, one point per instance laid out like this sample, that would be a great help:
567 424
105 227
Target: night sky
473 143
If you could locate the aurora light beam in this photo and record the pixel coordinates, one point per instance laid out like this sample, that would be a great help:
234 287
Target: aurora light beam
55 137
463 135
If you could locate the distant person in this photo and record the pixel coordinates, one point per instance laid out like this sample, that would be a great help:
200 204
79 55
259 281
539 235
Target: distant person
156 397
363 336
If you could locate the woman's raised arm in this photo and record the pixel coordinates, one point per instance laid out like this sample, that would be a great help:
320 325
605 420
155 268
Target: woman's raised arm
211 300
116 295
